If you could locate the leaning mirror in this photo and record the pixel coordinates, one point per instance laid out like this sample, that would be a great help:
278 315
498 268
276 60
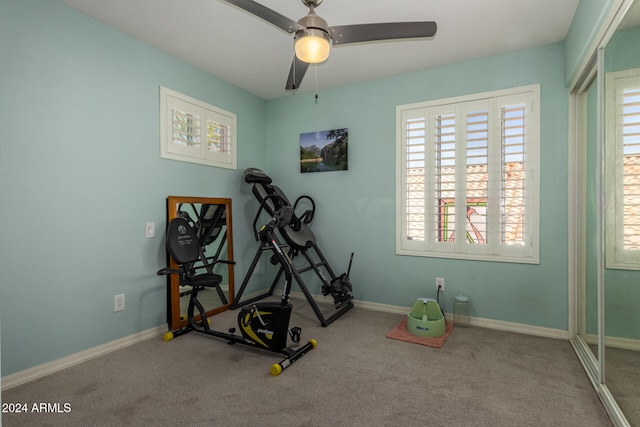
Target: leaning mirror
211 218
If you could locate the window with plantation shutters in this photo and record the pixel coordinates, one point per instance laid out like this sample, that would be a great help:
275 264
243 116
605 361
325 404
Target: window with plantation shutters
622 166
468 177
193 131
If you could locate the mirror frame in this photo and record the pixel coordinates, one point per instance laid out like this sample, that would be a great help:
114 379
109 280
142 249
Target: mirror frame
174 317
577 165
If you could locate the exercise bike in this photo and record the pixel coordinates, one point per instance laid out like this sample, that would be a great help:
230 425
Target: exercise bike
262 325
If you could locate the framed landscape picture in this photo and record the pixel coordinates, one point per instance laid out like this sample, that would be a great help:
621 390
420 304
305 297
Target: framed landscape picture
324 151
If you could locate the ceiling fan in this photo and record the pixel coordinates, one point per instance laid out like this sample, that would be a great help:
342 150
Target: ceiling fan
313 36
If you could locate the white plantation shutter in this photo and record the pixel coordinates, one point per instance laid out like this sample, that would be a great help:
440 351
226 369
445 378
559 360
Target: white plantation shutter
186 128
622 96
218 139
444 189
414 187
513 163
631 168
220 128
467 169
476 174
194 131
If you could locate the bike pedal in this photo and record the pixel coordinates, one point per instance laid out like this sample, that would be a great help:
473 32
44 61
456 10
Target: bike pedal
295 334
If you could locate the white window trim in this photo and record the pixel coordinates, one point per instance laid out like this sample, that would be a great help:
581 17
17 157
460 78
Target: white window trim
169 150
616 257
529 253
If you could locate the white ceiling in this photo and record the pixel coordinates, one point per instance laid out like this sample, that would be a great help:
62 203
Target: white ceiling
256 56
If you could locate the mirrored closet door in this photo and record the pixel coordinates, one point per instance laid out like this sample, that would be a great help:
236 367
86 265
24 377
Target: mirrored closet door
607 112
621 281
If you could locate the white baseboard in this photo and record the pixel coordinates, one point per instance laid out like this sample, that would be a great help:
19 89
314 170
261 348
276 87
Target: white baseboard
520 328
623 343
477 321
48 368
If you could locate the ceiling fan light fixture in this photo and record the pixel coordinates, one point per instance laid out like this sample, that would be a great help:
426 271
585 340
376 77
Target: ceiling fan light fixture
312 46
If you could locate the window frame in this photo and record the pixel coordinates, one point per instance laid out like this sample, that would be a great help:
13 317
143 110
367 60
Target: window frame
491 250
200 154
616 256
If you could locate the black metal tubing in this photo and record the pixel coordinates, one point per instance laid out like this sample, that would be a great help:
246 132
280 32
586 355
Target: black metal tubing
277 368
324 321
236 301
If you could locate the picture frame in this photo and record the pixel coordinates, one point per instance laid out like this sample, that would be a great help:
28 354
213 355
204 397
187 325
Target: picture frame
324 151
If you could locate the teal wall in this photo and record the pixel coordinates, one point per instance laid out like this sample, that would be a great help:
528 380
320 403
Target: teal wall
356 208
80 175
589 17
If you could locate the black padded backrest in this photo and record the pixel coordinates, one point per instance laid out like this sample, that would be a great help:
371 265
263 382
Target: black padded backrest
182 243
255 175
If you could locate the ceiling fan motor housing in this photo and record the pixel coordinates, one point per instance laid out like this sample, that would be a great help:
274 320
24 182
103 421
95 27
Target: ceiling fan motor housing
310 3
313 21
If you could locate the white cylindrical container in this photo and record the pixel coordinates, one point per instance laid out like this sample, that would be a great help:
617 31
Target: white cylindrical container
461 311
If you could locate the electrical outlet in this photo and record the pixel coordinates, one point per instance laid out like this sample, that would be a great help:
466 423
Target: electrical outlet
440 284
118 302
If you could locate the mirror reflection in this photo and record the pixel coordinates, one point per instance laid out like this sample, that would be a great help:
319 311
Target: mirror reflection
622 200
211 219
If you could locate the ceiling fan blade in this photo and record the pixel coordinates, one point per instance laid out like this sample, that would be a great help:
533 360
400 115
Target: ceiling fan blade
345 34
296 73
268 15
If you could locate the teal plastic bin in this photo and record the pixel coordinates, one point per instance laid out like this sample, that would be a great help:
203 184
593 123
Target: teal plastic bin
426 319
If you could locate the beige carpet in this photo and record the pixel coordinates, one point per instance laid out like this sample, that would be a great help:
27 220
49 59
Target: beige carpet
355 377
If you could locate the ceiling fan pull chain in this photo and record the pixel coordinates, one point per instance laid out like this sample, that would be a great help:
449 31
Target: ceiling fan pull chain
316 83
